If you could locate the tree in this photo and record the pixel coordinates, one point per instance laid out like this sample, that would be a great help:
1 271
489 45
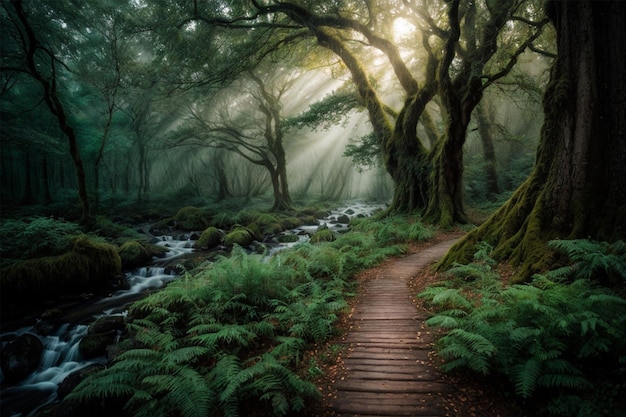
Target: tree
577 188
469 34
257 136
34 56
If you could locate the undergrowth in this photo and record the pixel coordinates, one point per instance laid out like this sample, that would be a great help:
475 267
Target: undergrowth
233 338
560 340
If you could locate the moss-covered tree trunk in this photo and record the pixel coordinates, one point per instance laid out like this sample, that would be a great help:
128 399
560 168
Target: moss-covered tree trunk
577 187
406 159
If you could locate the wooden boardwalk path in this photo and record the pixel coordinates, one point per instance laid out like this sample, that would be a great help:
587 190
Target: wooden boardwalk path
388 372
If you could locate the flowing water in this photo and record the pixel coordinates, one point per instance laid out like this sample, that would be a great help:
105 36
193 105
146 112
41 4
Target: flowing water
61 356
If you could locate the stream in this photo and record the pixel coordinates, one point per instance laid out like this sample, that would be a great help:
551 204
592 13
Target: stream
61 356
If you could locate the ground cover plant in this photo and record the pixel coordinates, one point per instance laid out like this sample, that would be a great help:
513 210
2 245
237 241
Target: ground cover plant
559 340
232 338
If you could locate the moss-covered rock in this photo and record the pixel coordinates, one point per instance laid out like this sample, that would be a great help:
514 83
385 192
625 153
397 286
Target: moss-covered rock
191 218
287 238
89 266
291 222
133 254
21 356
210 238
107 323
272 229
73 379
309 220
241 236
344 219
95 345
323 235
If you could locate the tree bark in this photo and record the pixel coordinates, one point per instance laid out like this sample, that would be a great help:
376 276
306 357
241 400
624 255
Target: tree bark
577 188
489 152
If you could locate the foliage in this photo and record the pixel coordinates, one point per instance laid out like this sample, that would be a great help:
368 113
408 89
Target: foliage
365 152
35 237
326 113
602 261
550 334
232 337
395 229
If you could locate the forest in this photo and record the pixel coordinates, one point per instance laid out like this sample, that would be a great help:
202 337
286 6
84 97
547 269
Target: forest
189 190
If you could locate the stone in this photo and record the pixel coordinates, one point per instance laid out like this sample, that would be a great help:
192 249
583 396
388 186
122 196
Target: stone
21 356
95 345
73 379
106 324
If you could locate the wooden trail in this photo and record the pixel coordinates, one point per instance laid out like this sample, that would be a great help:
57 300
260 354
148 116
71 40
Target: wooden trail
387 368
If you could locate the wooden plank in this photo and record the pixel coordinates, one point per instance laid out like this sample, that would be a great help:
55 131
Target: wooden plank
384 385
377 404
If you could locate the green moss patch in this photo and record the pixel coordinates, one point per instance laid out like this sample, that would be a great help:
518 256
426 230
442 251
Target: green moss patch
210 238
241 236
191 218
89 265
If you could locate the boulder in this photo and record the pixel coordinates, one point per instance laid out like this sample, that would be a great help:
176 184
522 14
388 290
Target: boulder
343 219
95 345
106 324
241 236
21 356
191 218
73 379
209 239
133 255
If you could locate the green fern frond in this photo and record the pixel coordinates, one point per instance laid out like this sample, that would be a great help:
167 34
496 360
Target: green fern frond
525 375
186 355
443 320
451 298
563 380
476 342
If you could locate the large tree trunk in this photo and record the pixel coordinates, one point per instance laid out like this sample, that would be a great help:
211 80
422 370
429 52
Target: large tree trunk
489 151
577 187
406 159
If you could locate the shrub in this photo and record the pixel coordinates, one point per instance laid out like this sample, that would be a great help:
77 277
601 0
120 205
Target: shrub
36 237
549 334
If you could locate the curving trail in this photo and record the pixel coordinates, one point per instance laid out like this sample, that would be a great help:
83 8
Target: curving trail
388 372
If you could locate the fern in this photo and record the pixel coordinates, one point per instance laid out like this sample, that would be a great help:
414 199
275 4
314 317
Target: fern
541 335
594 260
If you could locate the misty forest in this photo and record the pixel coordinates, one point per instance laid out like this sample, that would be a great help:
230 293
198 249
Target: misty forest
193 193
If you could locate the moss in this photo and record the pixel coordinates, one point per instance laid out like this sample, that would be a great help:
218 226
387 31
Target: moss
191 218
133 254
287 238
323 235
241 236
210 238
291 222
88 266
309 220
95 345
272 229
